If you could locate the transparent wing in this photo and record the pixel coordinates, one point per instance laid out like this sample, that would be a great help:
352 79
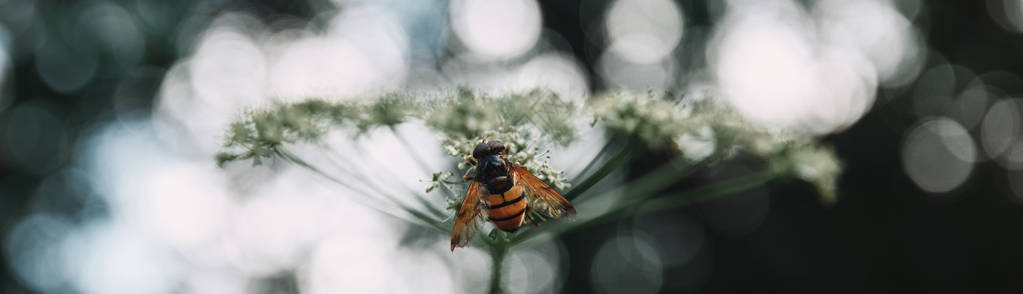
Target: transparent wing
467 222
556 205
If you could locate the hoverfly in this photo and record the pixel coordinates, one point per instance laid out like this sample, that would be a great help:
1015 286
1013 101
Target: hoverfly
504 193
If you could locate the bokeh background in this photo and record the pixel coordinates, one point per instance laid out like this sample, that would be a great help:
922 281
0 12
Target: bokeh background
111 111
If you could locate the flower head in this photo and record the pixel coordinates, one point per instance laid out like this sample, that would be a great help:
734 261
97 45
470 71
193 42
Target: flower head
704 131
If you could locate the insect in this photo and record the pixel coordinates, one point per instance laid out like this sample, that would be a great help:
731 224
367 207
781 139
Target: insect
504 193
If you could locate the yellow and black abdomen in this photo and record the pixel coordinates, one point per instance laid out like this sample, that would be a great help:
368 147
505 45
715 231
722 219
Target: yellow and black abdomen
506 210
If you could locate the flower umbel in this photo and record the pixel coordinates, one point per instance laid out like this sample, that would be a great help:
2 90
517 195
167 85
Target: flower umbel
709 131
702 132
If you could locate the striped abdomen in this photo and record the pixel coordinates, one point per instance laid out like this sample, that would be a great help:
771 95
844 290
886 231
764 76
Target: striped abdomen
506 210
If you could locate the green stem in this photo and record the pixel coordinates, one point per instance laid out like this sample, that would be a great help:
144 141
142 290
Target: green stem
661 178
498 252
429 206
411 149
358 175
423 220
596 158
422 166
302 163
639 205
710 193
609 166
642 187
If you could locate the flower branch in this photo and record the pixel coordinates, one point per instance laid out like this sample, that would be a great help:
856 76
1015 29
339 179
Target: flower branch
701 133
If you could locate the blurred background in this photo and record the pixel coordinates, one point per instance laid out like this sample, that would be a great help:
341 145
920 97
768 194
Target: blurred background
111 111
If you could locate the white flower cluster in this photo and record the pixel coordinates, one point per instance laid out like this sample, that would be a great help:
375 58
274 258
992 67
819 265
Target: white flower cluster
521 149
646 117
707 130
702 131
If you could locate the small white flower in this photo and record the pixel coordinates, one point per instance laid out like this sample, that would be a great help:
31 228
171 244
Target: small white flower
703 130
699 145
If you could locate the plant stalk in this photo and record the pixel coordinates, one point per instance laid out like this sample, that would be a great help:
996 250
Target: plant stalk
706 193
607 168
498 252
638 204
604 150
421 219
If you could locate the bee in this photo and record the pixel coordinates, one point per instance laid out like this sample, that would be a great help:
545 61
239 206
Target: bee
502 192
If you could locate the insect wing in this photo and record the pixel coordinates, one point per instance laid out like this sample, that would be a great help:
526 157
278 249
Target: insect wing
467 222
556 204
